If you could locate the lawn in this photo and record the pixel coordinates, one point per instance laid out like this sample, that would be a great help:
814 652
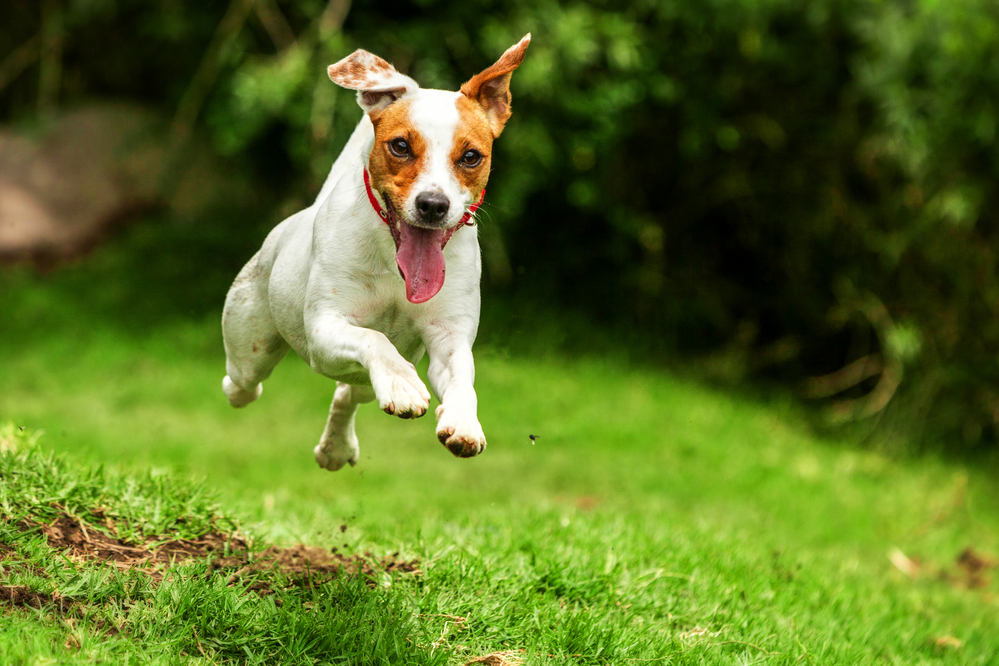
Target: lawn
655 520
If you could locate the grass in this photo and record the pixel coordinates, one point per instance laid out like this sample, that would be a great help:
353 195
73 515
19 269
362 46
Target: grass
114 616
655 520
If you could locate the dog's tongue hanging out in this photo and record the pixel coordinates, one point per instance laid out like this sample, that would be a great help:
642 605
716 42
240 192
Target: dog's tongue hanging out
420 257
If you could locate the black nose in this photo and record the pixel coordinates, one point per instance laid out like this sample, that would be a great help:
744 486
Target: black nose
432 207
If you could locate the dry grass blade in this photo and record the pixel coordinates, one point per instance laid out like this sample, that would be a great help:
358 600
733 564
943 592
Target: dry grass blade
508 658
907 566
948 642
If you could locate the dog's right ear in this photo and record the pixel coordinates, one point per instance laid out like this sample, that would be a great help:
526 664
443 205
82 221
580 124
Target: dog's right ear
377 83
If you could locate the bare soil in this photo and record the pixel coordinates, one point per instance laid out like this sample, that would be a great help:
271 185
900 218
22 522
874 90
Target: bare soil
18 595
298 566
85 544
974 568
308 566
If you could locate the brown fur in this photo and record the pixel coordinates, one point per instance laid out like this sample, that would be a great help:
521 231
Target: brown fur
355 71
473 132
491 87
394 176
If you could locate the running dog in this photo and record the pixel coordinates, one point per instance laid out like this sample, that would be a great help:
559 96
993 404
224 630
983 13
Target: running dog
355 283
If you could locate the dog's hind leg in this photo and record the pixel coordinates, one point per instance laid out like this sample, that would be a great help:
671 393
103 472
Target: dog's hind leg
253 345
338 445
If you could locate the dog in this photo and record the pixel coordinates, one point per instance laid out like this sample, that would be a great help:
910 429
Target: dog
356 284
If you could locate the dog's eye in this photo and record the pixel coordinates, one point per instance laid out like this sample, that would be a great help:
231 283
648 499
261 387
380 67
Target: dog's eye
471 158
399 147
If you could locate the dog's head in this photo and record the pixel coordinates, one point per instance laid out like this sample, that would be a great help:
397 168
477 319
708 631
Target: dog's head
431 155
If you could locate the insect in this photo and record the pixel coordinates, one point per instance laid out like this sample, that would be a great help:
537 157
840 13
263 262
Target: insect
533 439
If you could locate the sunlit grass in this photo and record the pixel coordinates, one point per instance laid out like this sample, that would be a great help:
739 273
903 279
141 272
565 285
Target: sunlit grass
654 518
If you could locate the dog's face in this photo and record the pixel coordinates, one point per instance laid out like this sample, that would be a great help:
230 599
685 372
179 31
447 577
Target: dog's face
431 155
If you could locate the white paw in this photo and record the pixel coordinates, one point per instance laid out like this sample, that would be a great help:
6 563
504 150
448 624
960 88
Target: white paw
333 456
460 432
238 396
399 390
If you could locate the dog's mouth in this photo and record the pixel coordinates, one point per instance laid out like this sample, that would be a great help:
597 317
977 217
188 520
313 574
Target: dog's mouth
419 253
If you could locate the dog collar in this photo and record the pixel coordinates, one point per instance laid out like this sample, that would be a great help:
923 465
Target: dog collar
385 217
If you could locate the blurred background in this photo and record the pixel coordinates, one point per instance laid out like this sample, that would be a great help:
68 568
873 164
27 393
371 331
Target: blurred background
765 193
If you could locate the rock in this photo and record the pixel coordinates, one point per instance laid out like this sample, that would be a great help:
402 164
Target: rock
66 185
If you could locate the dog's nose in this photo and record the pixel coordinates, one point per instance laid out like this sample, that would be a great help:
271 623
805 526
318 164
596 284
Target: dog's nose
432 207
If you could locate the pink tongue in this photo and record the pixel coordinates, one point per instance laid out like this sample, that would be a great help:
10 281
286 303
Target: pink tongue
421 261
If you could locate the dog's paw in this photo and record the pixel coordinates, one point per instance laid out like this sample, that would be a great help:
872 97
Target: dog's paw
238 396
399 390
460 433
333 457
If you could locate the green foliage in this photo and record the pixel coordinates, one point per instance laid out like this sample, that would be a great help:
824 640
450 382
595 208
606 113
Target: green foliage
739 178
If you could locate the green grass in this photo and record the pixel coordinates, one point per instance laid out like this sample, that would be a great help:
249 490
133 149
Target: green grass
114 616
655 521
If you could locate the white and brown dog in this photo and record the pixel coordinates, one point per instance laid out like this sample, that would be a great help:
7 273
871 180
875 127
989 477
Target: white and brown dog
355 283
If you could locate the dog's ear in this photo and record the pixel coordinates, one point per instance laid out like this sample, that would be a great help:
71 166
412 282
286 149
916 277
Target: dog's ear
491 87
377 83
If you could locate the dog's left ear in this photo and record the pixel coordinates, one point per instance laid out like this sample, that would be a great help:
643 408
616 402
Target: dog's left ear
377 83
491 87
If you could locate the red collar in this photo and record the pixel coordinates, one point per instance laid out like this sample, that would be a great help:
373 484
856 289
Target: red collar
385 218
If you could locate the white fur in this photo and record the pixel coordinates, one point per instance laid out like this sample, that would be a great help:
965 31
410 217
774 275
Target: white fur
325 283
434 114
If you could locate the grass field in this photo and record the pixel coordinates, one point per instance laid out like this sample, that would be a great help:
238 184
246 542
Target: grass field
655 520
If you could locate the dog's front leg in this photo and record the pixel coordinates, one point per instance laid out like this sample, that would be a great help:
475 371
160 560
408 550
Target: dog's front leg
451 374
346 353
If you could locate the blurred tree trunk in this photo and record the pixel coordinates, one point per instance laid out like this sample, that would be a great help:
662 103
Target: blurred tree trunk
52 37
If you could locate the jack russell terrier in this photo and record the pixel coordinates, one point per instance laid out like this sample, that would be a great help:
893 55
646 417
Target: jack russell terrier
355 283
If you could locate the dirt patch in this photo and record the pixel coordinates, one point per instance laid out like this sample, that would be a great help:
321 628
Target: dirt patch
299 566
974 568
303 565
307 566
83 543
18 595
586 503
971 568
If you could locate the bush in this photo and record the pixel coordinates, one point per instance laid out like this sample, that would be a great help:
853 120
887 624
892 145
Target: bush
786 188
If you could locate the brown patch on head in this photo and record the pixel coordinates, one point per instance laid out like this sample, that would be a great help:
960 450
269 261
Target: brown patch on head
359 70
391 175
491 87
378 84
473 132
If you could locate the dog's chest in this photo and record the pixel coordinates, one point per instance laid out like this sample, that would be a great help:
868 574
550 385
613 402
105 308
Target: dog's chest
383 307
